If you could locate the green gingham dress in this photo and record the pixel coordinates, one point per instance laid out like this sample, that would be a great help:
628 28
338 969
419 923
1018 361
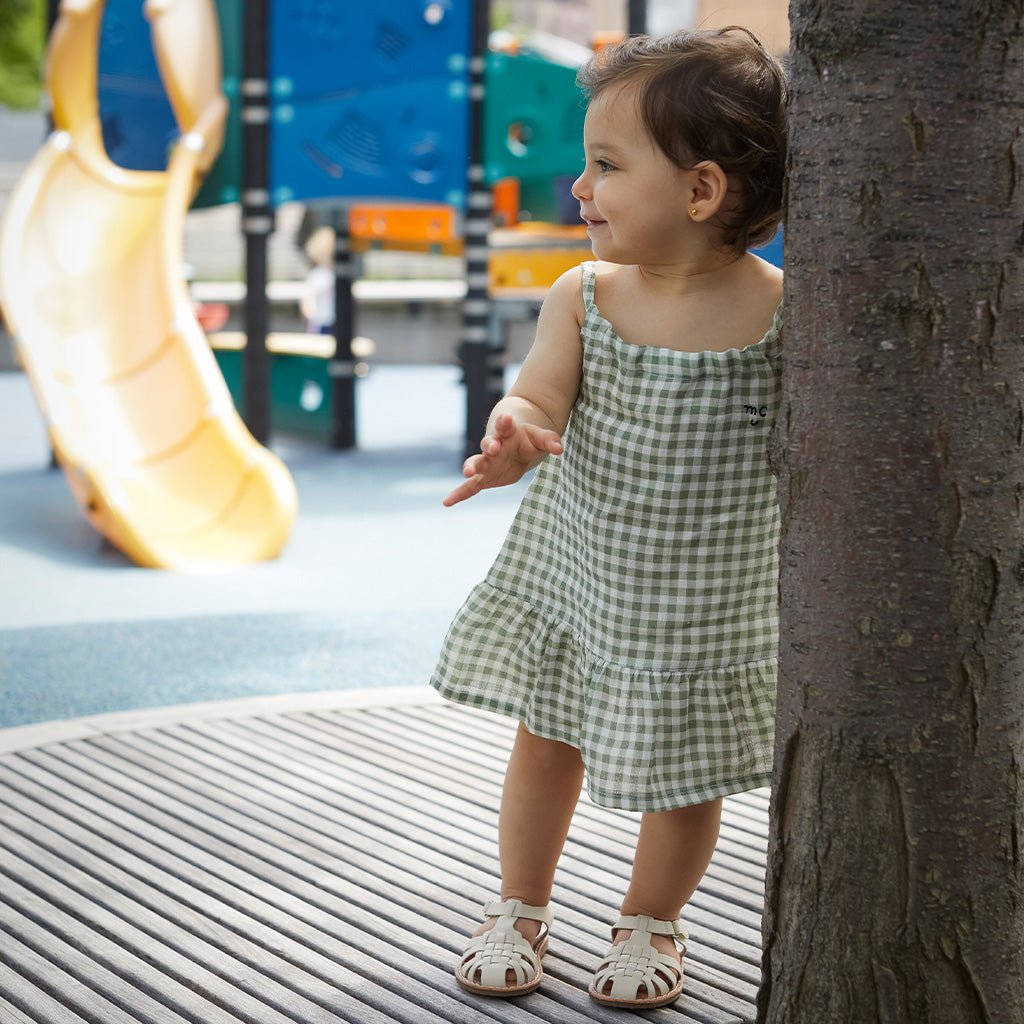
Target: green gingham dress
632 611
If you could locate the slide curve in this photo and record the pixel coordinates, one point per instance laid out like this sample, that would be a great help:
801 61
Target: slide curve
91 285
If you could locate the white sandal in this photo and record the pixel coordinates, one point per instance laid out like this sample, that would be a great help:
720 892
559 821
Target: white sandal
489 957
640 976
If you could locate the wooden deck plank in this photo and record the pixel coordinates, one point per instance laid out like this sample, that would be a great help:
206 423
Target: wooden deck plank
22 1002
122 964
239 731
385 751
751 955
429 776
356 861
10 1014
151 924
442 760
320 866
475 736
71 976
319 948
297 825
595 827
719 883
249 874
557 1016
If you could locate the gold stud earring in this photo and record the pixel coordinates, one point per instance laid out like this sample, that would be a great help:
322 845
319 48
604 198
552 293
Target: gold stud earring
693 212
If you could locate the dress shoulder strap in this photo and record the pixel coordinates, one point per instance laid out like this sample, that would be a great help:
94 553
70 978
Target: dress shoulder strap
589 279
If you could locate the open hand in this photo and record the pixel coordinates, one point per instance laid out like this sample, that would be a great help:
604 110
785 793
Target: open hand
505 455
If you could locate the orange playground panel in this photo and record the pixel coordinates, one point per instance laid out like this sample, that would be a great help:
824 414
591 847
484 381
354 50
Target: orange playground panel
426 226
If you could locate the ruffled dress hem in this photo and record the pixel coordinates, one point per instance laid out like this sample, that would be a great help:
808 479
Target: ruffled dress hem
650 740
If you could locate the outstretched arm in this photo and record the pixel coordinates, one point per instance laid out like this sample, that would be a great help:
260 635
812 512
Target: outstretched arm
526 425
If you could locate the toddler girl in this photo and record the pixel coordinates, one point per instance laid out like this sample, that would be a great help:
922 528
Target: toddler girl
629 622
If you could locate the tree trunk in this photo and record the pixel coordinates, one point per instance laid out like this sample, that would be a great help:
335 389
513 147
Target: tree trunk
895 870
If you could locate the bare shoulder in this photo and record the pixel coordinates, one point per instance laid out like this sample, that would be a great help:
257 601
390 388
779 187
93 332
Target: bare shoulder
551 372
755 295
766 280
565 296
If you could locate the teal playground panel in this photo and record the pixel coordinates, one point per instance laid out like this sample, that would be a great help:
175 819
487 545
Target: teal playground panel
533 119
301 392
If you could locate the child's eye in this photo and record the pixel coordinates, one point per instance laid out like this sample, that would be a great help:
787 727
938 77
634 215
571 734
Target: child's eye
604 165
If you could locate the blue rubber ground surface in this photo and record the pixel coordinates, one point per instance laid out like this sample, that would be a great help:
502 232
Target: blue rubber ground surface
361 597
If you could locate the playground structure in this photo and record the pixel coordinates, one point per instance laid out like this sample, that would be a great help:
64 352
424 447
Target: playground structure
137 412
399 140
380 141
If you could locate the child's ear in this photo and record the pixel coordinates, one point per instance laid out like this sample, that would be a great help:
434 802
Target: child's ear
709 186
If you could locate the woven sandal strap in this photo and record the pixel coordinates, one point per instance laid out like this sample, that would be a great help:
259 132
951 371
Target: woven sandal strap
651 925
518 909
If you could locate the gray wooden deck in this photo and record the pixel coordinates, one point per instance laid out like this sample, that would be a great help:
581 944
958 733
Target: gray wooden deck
309 866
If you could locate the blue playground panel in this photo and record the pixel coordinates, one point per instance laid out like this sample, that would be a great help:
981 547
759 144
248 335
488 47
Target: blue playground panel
772 251
138 123
137 120
364 104
321 49
369 104
404 139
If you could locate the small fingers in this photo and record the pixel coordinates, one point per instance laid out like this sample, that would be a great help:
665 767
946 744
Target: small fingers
545 440
490 445
463 491
475 464
504 426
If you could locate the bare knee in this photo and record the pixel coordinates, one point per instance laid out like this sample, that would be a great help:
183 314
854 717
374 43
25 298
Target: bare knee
696 824
546 753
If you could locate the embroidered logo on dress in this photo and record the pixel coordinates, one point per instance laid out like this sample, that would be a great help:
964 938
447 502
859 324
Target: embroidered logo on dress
756 413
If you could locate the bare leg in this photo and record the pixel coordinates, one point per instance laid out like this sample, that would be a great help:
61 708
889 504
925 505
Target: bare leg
672 855
542 786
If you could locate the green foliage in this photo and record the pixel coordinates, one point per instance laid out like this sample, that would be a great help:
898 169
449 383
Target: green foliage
501 16
22 42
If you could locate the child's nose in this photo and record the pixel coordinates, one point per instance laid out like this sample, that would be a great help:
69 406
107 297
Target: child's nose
579 189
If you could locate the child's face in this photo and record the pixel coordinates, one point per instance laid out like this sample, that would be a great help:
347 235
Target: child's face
634 199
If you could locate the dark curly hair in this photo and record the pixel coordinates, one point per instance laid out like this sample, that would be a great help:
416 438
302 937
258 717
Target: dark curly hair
716 95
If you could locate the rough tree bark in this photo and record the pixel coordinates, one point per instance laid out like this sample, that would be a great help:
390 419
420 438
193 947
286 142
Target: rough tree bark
895 870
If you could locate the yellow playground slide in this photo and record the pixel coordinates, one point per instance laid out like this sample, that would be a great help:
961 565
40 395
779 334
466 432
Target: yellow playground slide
91 284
